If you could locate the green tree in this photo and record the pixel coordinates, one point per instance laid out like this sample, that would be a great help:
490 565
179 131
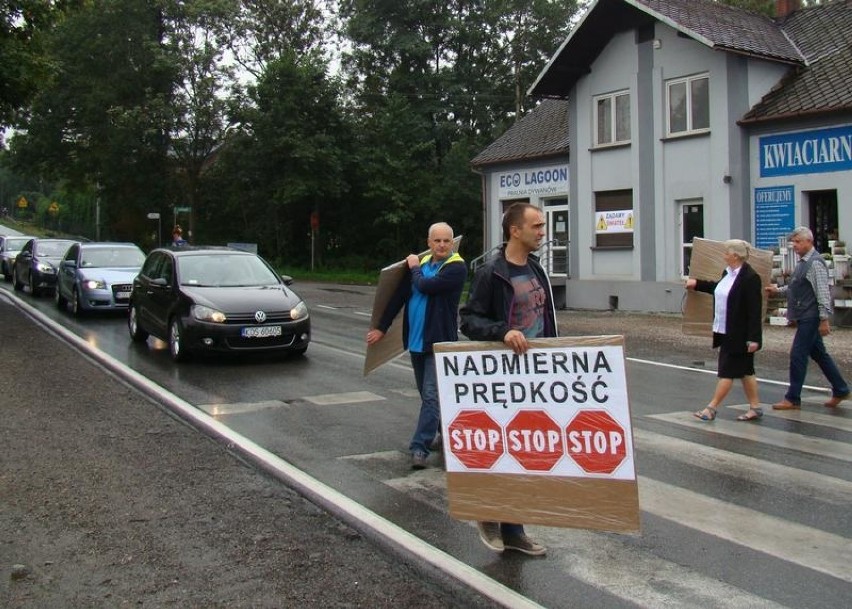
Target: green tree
287 161
102 118
23 61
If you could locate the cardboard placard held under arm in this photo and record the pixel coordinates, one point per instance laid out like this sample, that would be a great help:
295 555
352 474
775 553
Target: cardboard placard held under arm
541 438
707 264
390 346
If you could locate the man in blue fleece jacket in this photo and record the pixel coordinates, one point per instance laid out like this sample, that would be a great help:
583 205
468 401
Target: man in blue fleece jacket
431 300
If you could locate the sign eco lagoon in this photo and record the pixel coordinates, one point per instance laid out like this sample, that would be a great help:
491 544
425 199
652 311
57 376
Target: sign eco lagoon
539 181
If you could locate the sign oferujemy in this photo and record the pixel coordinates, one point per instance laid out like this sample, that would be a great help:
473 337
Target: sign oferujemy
551 423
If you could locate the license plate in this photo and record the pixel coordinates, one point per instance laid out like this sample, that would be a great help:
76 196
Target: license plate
122 295
261 331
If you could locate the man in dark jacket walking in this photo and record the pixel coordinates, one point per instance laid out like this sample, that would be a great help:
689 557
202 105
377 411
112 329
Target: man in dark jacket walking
431 300
511 301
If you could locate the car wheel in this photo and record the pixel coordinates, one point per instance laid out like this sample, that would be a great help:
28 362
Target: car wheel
176 346
76 303
33 288
61 302
18 285
137 334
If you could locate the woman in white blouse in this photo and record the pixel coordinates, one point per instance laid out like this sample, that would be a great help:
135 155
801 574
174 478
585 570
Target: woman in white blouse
737 328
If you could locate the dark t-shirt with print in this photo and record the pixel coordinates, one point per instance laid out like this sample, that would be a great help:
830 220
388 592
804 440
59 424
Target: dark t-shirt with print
530 299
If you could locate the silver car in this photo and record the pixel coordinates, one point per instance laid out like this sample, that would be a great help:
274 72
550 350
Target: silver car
97 276
10 245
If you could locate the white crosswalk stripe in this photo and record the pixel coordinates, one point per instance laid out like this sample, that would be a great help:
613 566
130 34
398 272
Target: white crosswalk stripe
763 435
656 581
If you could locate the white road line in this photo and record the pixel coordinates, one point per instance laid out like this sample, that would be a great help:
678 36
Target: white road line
762 435
348 397
713 372
322 306
216 410
363 313
802 545
801 482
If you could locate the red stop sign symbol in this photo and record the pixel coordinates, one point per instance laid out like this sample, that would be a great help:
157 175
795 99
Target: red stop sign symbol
596 441
476 439
534 440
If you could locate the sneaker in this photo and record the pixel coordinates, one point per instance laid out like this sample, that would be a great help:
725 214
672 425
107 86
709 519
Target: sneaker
522 543
489 533
418 461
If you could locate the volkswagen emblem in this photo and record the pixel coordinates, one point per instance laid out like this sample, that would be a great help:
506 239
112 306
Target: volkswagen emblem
259 317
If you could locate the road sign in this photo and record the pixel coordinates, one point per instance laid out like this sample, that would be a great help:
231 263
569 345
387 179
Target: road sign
154 215
476 439
23 203
53 208
596 442
535 440
182 210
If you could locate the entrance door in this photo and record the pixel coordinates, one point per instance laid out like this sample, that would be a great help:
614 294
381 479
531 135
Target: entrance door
691 225
823 217
556 216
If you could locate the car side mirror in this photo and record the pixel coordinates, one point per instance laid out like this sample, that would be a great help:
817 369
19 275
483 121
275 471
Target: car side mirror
287 279
69 264
160 282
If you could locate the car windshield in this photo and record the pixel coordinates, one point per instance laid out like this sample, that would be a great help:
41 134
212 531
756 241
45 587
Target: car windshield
112 257
224 270
15 244
53 248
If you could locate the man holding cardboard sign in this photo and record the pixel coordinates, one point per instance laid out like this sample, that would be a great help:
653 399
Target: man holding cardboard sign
511 301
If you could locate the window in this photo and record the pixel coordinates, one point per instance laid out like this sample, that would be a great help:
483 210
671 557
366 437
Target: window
612 118
614 218
691 226
555 258
689 105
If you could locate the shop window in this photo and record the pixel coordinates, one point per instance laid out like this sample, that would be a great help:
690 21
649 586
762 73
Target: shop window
614 218
688 101
612 118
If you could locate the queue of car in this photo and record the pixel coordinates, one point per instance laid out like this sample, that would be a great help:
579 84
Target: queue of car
196 299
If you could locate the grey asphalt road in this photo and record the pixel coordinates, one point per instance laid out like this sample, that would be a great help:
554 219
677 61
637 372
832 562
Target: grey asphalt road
719 503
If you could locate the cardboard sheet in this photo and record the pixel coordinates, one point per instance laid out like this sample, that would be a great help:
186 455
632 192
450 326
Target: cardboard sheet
390 346
543 438
707 264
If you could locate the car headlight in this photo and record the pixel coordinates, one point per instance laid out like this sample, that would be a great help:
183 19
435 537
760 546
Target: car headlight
94 284
44 267
202 313
299 311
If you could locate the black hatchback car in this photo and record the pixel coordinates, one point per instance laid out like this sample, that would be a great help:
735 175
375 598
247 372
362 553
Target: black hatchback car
36 264
216 299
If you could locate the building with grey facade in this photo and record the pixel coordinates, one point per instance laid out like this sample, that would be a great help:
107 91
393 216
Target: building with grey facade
679 119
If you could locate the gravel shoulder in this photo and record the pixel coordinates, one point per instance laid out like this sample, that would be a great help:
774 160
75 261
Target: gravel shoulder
108 501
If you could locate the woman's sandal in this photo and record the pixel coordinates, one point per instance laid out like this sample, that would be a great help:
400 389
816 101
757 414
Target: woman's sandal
708 414
753 414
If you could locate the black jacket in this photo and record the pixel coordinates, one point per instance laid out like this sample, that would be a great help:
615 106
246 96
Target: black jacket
743 321
488 310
